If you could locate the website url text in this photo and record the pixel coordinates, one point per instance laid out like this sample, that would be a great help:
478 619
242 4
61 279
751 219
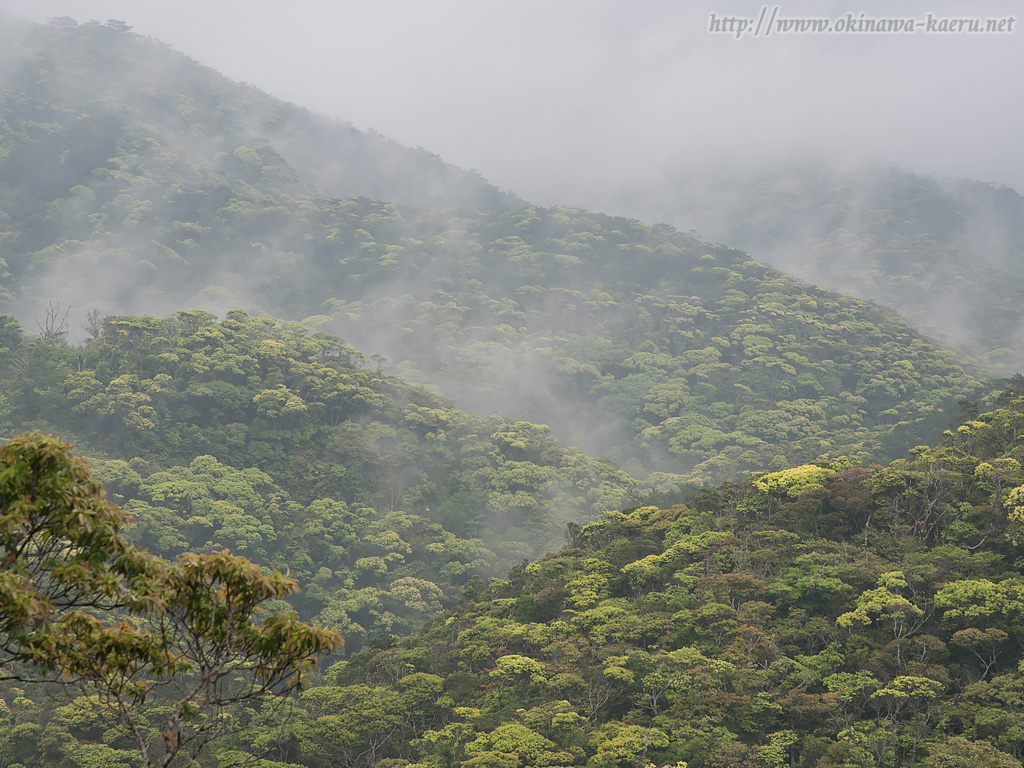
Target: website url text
769 22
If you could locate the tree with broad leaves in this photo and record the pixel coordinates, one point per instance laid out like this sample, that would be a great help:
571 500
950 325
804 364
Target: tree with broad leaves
80 605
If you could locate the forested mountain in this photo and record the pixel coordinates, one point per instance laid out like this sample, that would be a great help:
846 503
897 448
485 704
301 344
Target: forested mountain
946 254
828 615
170 187
77 96
824 611
291 449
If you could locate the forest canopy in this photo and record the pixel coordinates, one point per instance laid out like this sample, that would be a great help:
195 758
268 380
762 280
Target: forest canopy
682 510
162 649
134 180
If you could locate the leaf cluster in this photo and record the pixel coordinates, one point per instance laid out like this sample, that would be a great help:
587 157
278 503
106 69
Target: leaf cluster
864 619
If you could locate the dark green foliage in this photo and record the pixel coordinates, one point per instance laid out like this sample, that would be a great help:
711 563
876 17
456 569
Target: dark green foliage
667 355
946 254
81 606
124 80
287 448
752 626
818 614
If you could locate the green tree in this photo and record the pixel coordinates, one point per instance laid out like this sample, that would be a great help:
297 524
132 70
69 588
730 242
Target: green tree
61 546
167 647
958 752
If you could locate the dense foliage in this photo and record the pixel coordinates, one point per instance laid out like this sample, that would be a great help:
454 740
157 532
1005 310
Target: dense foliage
820 613
825 615
163 650
96 84
290 449
945 253
175 187
702 362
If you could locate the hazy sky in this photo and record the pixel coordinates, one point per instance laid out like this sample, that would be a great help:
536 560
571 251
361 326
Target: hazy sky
551 97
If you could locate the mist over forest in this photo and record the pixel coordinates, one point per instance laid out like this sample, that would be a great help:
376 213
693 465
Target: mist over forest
631 450
944 251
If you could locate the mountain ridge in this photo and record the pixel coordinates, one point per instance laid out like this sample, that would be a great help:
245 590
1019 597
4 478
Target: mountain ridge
946 252
639 343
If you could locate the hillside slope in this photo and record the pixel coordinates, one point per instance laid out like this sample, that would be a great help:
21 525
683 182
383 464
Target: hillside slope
74 95
946 254
637 343
827 615
293 450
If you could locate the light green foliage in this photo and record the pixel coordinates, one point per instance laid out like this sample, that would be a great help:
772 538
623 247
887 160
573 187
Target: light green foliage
625 745
350 721
909 688
217 506
278 403
100 756
1015 510
515 739
590 585
958 752
253 394
418 596
152 641
775 754
705 634
640 343
512 668
285 447
795 481
851 686
980 601
884 605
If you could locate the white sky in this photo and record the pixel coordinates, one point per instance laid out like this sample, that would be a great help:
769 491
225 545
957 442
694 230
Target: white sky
551 97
